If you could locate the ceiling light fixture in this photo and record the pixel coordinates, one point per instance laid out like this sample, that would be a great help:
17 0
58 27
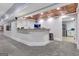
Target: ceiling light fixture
58 8
50 19
31 16
41 21
63 16
1 20
72 18
6 17
41 13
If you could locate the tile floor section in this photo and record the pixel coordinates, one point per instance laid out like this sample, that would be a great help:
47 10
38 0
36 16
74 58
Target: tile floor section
54 48
69 39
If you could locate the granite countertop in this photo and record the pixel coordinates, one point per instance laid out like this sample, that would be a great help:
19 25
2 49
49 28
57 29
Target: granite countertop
32 30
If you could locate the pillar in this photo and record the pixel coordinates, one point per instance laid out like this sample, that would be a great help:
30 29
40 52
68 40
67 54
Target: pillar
5 27
14 26
77 28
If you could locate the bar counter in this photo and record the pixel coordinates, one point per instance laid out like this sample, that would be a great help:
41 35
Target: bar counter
31 37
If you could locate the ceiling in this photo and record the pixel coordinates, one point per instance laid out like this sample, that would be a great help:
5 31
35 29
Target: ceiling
4 7
33 7
69 17
50 6
20 9
25 9
71 8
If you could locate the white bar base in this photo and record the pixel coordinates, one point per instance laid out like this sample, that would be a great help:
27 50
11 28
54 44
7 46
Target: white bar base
28 39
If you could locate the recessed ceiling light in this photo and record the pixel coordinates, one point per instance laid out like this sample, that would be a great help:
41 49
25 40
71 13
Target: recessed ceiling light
41 13
1 19
63 16
50 19
31 16
6 16
41 21
72 18
58 8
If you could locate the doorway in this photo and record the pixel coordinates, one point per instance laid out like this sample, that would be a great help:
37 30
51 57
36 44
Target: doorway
69 30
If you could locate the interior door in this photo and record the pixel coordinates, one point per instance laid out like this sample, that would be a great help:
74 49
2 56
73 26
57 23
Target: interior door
64 29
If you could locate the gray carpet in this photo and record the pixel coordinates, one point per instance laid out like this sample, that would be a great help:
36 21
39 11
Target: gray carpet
11 47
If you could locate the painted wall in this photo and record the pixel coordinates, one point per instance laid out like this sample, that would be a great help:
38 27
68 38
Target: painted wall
27 24
69 26
55 27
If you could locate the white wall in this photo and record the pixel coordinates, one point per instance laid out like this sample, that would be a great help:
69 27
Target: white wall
21 23
69 26
25 23
55 27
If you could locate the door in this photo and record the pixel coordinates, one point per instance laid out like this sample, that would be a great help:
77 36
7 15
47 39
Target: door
64 28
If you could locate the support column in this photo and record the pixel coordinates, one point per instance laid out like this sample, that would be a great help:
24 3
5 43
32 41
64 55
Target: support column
77 27
13 26
5 27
